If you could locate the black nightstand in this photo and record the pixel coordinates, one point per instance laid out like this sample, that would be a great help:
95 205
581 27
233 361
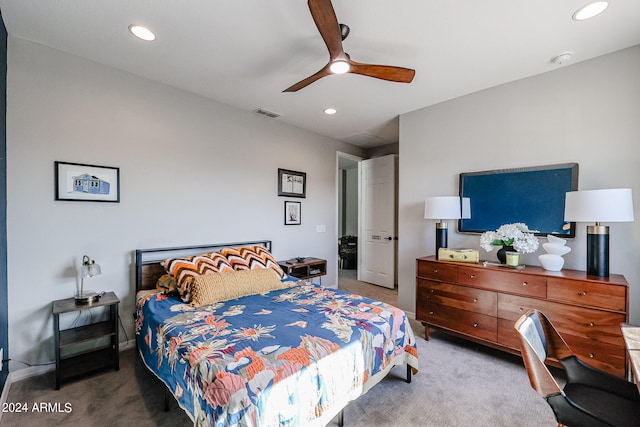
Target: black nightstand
70 362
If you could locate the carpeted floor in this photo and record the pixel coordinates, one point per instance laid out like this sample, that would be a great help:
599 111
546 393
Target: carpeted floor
459 384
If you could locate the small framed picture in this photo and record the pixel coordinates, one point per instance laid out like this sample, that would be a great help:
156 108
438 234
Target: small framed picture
292 183
86 183
292 213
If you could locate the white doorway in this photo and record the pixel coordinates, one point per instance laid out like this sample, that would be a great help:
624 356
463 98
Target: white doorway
367 202
348 213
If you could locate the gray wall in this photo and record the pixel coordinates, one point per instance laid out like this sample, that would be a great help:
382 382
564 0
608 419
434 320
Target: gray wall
588 113
192 171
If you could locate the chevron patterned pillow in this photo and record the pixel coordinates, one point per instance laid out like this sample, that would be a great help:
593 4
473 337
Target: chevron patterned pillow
251 258
186 269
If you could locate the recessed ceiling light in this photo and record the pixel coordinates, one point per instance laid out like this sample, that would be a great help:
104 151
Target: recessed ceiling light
339 67
142 32
590 10
330 111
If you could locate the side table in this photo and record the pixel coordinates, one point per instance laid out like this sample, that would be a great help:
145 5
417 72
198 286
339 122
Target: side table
305 268
70 362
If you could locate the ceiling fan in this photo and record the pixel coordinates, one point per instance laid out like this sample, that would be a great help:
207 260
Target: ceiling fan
339 62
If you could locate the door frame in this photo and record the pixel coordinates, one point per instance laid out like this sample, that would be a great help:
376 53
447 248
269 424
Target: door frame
352 157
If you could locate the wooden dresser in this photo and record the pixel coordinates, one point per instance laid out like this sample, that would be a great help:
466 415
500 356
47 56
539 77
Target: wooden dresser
483 303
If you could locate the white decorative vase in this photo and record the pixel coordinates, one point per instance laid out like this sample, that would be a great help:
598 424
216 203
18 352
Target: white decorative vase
551 262
555 248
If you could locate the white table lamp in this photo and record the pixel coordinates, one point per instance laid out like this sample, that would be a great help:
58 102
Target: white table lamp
443 208
611 205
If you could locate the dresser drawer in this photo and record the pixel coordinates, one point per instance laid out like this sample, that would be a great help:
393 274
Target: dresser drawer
503 281
602 355
587 293
466 322
507 334
437 271
582 322
462 297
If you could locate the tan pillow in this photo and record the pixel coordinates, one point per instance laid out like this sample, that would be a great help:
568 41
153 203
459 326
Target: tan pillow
215 287
167 283
185 269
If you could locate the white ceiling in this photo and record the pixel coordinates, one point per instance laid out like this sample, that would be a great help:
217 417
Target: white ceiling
245 52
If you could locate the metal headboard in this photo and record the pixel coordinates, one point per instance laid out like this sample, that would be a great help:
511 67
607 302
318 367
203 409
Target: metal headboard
148 268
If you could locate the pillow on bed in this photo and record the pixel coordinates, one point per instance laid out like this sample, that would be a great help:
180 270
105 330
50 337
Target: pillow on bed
167 283
216 287
251 258
186 269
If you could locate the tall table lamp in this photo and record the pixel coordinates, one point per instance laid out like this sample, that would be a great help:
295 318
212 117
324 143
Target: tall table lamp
443 208
611 205
89 269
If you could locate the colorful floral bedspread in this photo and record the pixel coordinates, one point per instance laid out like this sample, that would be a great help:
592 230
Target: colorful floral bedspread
290 357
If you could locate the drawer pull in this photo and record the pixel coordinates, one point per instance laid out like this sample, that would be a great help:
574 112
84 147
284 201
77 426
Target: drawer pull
431 313
524 283
591 324
435 270
475 300
591 355
583 294
431 290
472 276
521 310
475 325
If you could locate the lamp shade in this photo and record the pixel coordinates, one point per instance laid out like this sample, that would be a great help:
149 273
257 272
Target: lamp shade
610 205
447 207
90 268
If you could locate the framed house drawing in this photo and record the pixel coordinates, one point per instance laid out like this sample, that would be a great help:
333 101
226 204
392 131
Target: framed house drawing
292 183
86 183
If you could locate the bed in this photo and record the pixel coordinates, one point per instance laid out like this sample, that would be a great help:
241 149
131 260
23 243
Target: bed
292 356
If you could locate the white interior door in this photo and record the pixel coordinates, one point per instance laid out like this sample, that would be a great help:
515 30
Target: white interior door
376 263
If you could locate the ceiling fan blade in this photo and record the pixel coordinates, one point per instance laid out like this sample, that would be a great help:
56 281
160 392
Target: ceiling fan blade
384 72
325 18
306 82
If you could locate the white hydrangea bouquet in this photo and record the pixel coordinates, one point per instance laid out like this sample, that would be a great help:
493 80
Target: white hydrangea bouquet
517 235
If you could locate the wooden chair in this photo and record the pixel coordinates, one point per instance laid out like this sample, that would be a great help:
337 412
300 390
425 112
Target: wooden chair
590 398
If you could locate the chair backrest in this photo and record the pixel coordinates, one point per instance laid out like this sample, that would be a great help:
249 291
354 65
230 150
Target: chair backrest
535 346
348 240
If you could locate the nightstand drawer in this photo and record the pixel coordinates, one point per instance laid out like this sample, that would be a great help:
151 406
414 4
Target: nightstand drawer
587 293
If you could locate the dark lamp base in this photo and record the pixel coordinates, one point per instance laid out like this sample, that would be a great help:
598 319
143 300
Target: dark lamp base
598 251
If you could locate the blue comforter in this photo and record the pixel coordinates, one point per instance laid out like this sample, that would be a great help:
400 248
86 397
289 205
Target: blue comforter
290 357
